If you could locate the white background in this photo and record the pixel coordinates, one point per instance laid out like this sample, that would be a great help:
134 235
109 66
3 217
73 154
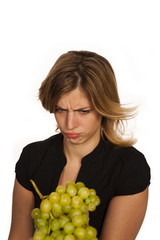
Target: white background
34 33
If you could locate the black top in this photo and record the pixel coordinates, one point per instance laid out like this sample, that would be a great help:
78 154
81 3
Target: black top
110 170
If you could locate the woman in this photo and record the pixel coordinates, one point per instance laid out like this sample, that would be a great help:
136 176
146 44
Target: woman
81 91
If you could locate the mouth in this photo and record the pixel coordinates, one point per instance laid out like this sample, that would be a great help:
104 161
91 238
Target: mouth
72 135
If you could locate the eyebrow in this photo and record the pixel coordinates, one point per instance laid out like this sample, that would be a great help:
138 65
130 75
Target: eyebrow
78 109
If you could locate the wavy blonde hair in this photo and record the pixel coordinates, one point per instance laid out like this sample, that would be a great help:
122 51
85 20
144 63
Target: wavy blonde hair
95 76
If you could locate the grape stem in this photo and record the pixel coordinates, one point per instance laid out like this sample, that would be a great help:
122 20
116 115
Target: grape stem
37 190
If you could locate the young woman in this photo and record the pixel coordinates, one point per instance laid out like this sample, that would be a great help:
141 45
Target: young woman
81 91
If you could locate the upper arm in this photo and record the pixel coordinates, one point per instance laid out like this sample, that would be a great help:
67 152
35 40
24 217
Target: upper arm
124 217
23 203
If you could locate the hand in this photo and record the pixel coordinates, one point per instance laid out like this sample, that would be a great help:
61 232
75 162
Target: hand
30 238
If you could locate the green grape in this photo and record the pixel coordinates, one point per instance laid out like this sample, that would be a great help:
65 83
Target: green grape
84 207
45 206
56 208
69 237
69 228
65 199
79 185
67 208
76 202
56 233
54 197
45 215
75 212
49 238
55 225
93 200
60 189
91 232
44 229
40 222
84 192
91 207
71 190
87 201
92 192
60 237
78 221
63 220
85 219
57 215
80 233
70 183
36 213
39 235
97 200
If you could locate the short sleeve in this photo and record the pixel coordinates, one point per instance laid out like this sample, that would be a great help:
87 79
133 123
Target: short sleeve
22 169
134 175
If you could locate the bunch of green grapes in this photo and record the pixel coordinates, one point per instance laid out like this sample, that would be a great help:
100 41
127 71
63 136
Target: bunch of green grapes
64 214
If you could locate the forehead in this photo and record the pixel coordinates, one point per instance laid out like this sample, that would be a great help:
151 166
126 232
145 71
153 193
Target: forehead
77 98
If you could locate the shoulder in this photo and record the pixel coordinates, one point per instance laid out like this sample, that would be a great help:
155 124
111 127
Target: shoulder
128 167
41 146
134 174
124 155
33 154
130 156
32 157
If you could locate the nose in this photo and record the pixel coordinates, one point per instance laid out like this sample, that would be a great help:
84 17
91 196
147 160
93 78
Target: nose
71 121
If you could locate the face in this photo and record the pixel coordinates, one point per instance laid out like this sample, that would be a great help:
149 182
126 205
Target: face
76 118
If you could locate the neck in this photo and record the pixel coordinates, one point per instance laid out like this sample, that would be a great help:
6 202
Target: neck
75 152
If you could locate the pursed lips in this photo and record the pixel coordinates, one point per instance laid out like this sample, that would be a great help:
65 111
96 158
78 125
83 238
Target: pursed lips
72 135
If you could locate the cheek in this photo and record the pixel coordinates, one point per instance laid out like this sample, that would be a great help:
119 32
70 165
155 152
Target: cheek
96 118
93 122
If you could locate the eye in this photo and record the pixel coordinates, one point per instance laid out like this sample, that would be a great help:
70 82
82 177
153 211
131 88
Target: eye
83 111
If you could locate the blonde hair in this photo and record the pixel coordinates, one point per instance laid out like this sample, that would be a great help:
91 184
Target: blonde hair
95 76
